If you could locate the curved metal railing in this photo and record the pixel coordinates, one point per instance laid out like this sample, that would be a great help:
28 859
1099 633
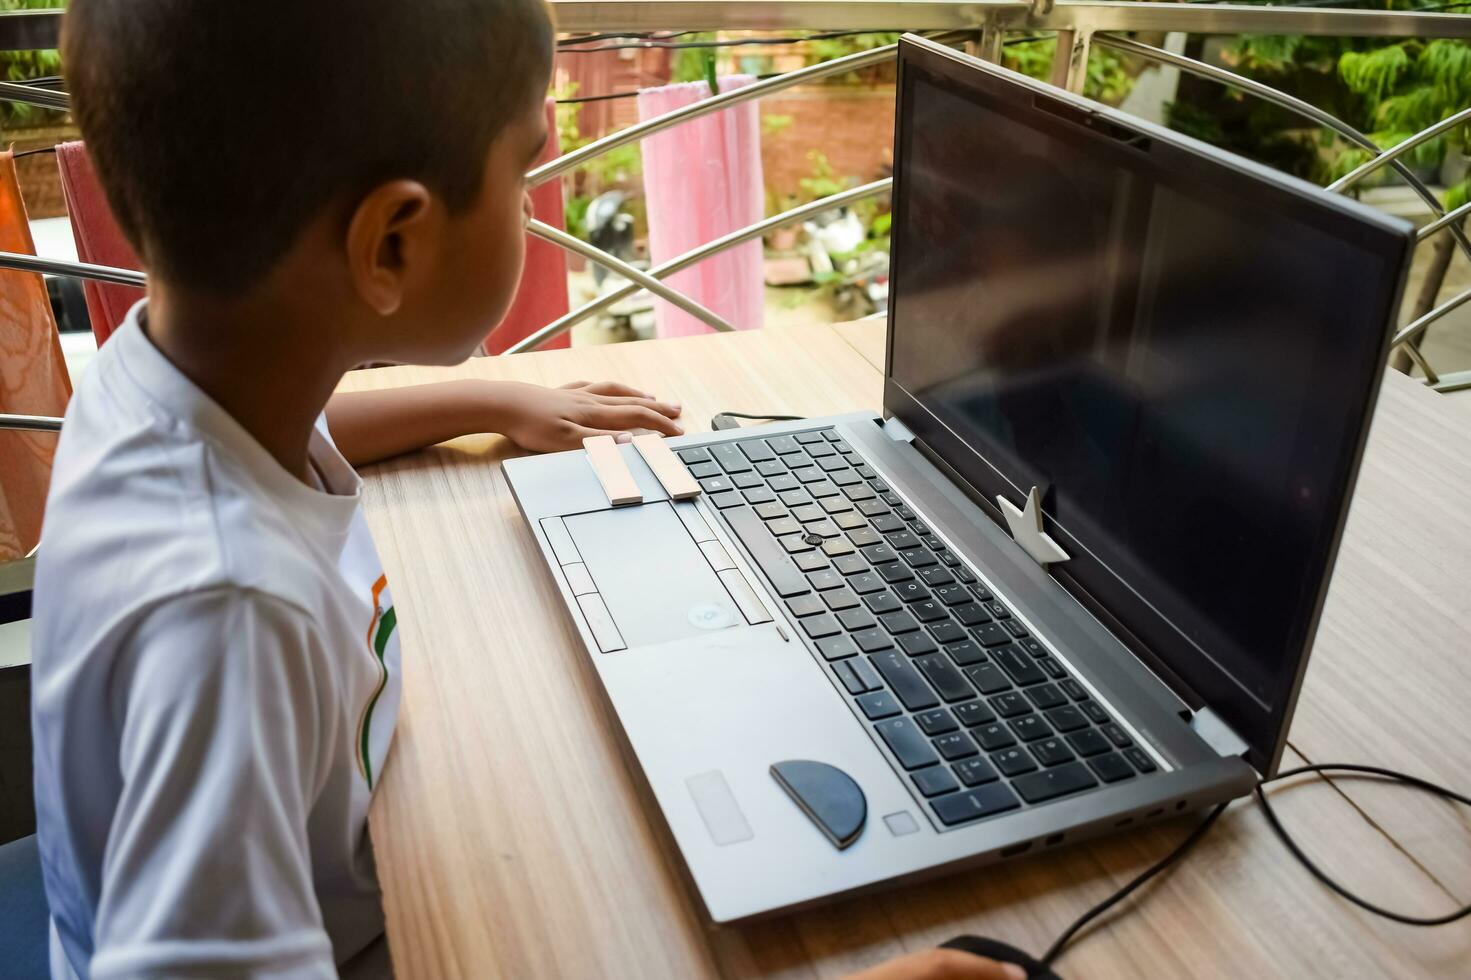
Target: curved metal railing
1077 24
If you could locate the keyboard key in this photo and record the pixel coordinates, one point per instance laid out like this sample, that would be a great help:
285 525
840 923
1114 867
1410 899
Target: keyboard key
952 595
795 498
872 640
856 492
965 575
867 472
854 620
991 635
974 772
748 481
899 622
980 593
1010 705
817 450
806 605
1017 665
783 444
881 602
1111 768
974 713
903 541
952 560
832 464
773 469
993 736
971 614
1051 752
879 704
839 599
1051 667
769 557
717 484
911 591
1067 718
945 631
1046 696
783 482
835 505
865 536
908 744
1140 759
935 781
928 611
1117 735
1052 783
783 525
1029 728
727 500
1032 646
836 647
954 746
756 450
847 478
851 565
918 527
694 455
808 438
987 678
1073 689
974 804
808 474
810 561
872 508
894 572
997 609
866 583
936 576
844 670
942 674
836 547
849 521
866 673
730 458
1089 742
879 554
1095 712
916 644
824 580
966 653
905 512
888 524
1015 628
1013 762
936 721
770 512
704 471
917 557
818 627
904 681
822 490
807 513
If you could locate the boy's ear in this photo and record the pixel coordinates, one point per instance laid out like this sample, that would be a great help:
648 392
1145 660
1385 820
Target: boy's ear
388 237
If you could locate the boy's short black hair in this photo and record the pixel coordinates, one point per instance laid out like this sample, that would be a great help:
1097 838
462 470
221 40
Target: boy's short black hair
220 128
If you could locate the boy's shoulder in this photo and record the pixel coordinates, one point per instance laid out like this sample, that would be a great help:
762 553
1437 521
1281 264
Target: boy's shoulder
146 503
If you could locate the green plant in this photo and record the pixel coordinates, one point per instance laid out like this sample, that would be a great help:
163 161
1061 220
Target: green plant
824 181
18 66
1108 80
775 123
693 64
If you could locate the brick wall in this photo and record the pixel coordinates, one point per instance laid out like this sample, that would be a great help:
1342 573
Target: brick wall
852 125
40 184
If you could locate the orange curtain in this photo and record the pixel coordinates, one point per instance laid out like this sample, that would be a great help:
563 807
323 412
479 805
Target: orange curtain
33 379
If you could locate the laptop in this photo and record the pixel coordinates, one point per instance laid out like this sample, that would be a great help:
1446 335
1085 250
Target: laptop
1067 580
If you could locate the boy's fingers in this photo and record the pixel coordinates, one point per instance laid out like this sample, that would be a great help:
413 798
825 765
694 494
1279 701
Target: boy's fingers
614 388
636 417
663 408
618 435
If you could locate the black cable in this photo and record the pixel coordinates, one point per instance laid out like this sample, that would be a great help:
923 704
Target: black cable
723 420
1055 950
1184 847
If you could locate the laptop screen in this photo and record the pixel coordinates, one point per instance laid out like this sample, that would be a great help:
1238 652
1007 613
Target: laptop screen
1180 351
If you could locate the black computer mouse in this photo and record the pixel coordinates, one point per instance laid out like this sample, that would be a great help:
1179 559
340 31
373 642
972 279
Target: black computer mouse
1002 953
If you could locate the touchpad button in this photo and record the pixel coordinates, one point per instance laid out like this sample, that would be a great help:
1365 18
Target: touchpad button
652 576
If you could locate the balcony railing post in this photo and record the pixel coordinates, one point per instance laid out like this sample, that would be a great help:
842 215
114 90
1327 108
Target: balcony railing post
989 47
1070 60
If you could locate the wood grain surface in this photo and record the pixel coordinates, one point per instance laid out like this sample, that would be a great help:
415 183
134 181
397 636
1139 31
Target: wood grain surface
513 841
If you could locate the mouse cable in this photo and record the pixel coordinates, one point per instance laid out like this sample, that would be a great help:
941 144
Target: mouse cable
726 420
1185 846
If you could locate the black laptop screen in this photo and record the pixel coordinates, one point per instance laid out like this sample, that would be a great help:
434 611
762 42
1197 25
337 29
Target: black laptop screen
1178 354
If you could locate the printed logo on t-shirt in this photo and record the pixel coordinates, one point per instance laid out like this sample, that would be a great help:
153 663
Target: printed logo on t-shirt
380 630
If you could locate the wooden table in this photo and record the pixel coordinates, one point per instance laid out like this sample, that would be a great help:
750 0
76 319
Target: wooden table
513 841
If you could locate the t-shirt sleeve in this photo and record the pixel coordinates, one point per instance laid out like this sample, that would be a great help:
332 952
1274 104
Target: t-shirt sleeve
207 869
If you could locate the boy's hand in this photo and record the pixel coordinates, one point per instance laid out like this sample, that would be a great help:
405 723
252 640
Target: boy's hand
552 419
942 964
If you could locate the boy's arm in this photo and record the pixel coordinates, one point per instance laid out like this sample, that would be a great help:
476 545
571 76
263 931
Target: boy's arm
371 425
208 866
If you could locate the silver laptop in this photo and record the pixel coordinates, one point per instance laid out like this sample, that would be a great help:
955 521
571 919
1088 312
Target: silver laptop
1067 581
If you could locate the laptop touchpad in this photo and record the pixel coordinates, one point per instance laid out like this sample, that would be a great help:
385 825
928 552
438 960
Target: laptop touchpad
652 576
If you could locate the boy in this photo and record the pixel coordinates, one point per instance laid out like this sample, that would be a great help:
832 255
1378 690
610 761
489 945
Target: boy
216 668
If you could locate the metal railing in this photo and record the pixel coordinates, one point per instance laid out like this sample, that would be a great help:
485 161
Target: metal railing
982 23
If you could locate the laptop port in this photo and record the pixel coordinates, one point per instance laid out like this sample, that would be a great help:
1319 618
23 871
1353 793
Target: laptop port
1015 849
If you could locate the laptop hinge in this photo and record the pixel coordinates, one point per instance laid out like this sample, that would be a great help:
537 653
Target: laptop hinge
1217 734
897 430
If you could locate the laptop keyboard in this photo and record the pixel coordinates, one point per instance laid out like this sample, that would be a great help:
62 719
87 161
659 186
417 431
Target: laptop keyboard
974 711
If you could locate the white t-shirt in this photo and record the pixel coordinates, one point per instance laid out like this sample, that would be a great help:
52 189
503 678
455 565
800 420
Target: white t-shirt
215 683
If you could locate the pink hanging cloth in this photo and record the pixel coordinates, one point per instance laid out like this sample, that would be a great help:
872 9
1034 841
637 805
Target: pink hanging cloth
542 295
99 239
702 179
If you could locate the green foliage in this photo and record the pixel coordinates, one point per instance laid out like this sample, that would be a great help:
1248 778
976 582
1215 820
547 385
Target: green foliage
776 123
824 181
689 64
18 66
1374 74
1108 80
829 49
1457 194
